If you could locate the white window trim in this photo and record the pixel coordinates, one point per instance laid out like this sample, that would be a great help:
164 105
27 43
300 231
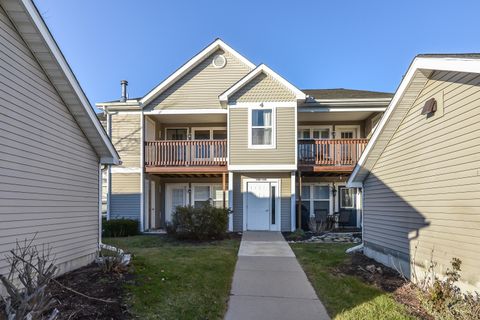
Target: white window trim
211 129
273 145
311 199
311 128
355 128
170 128
211 187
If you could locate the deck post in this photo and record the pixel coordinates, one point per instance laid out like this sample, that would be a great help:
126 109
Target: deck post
299 208
224 190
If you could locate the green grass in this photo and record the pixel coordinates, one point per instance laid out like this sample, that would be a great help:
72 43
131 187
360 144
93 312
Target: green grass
178 280
345 297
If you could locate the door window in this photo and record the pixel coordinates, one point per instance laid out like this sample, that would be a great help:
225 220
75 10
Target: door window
220 134
346 135
176 134
347 198
202 135
178 197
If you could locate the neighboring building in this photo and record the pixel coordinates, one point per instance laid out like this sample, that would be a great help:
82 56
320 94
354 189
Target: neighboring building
52 145
420 171
222 129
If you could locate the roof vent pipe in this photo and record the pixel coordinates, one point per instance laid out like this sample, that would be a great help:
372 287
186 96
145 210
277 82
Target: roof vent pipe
124 84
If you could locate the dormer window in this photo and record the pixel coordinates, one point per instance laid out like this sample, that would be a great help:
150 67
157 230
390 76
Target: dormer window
430 107
261 127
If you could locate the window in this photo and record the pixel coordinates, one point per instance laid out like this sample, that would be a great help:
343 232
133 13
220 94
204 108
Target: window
261 128
203 194
347 200
217 196
314 133
315 198
176 134
202 134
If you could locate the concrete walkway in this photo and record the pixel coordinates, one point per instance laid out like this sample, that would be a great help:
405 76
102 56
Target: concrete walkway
269 283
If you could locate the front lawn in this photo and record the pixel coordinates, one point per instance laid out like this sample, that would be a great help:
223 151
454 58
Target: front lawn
344 296
178 280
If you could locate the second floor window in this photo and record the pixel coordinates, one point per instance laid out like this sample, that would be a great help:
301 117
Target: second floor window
262 128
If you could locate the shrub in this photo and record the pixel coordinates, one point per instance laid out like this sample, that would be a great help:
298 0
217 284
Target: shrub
30 270
199 223
443 298
297 235
120 228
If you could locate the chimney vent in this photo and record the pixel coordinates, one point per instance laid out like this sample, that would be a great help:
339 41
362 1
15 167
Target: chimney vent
124 84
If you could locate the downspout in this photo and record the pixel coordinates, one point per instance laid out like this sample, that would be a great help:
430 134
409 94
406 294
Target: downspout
99 204
109 168
361 245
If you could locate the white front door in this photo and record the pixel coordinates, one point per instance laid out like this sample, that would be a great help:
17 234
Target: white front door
261 206
153 198
176 196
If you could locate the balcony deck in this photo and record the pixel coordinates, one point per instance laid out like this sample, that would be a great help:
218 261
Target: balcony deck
330 155
210 156
186 156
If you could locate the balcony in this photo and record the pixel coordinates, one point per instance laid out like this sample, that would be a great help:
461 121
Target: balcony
330 155
181 156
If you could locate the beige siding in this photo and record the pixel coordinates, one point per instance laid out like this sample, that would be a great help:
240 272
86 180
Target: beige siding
285 194
424 190
261 89
201 87
125 182
284 153
48 170
126 135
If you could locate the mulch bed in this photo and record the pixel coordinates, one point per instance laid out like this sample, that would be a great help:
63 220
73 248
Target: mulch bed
92 281
386 279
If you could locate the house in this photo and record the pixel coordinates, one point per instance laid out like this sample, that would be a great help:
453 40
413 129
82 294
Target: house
222 129
420 171
52 146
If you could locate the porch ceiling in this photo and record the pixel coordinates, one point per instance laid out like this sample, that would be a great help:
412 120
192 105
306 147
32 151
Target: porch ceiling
333 116
189 118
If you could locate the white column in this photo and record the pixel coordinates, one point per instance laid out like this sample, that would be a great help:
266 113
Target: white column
293 198
230 200
142 176
100 178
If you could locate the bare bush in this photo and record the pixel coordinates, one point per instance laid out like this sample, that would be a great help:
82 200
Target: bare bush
30 271
442 297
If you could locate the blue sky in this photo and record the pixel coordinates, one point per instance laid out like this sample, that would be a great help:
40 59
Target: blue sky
313 44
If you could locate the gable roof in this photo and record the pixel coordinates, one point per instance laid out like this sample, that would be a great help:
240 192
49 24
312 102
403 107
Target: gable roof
412 84
299 95
33 30
341 93
189 65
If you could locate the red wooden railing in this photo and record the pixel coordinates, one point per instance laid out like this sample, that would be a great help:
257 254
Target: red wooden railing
177 153
330 152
